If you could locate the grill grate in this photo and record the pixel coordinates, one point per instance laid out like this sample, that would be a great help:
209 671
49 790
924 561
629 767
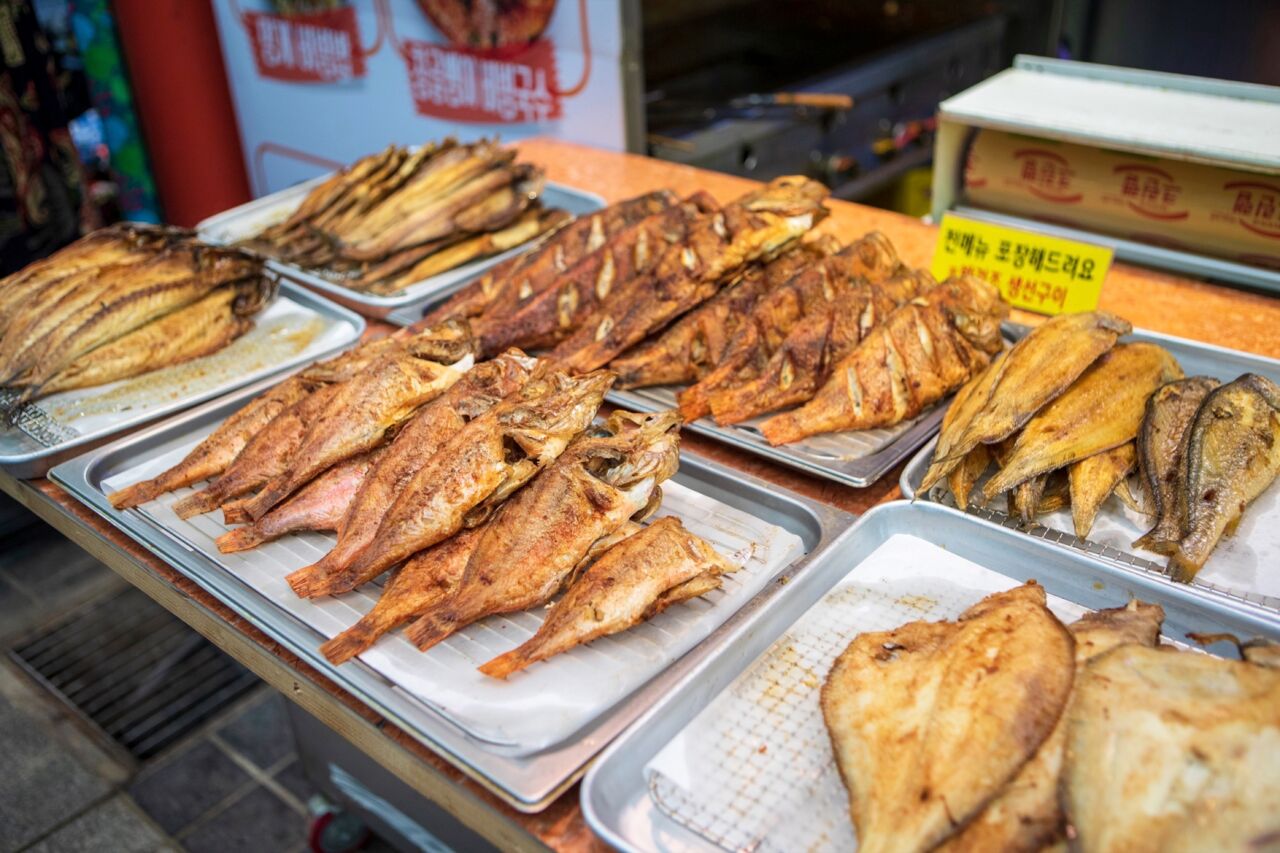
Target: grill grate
135 671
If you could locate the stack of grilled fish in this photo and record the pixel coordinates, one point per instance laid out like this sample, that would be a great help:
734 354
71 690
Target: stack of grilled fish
1090 731
733 300
120 302
485 487
397 217
1068 414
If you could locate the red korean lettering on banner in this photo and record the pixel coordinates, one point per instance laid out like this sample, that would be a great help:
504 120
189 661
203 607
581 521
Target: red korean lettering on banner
316 47
448 82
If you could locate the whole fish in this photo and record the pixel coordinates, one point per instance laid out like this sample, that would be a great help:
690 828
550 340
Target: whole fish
479 390
1101 410
481 465
968 402
1232 455
1093 479
1169 413
635 580
607 476
755 226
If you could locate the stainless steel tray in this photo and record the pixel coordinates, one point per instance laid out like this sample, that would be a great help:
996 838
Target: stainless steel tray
250 218
1197 359
25 456
527 781
616 798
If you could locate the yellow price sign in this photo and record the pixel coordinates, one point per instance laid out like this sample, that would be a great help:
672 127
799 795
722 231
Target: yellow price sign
1045 274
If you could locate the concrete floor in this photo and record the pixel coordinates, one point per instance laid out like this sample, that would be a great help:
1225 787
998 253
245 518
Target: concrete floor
234 784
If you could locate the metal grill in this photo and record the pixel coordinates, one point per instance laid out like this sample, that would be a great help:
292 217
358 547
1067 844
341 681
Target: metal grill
35 421
129 667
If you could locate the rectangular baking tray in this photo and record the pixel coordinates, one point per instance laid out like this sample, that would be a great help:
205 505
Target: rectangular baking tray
41 442
1197 359
250 218
616 797
528 781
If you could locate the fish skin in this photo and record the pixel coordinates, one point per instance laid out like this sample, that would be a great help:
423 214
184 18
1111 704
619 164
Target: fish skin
1026 816
1102 409
479 390
919 354
554 308
358 418
605 477
871 257
1168 415
1093 479
1040 367
965 406
1024 499
472 472
1232 456
800 366
319 505
1172 751
904 709
212 455
623 588
965 476
693 345
755 226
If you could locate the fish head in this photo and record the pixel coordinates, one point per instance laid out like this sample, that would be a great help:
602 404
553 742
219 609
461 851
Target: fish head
632 447
976 310
444 343
551 408
790 196
254 293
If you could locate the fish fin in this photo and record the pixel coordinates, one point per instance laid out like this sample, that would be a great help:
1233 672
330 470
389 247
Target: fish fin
431 628
316 580
131 496
196 504
235 513
240 539
506 664
357 639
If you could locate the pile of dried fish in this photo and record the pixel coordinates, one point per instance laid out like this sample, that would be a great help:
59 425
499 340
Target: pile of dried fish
399 216
120 302
1090 732
484 487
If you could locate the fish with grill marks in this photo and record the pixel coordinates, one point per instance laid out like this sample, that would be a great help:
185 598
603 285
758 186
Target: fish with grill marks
359 418
519 279
775 314
478 391
693 345
905 708
480 466
921 352
635 580
550 314
610 474
818 342
756 226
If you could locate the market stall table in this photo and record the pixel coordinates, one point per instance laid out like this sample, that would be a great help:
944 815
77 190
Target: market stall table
1150 300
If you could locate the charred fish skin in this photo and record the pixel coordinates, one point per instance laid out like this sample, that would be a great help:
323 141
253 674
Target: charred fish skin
1232 456
1169 413
606 477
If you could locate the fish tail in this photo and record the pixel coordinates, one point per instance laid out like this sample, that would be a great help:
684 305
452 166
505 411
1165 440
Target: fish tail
261 503
319 578
432 627
507 663
355 640
234 512
240 539
138 493
197 504
782 429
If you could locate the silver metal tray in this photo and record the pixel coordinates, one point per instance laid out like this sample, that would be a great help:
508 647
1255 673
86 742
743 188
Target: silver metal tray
1197 359
250 218
527 781
25 456
616 798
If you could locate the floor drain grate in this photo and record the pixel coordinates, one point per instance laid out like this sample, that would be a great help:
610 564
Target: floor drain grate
135 671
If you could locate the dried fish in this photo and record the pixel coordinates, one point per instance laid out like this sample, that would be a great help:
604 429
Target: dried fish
1093 479
968 402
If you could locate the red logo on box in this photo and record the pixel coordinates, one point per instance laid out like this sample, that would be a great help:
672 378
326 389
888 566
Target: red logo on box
312 47
1151 192
1256 206
1046 175
450 82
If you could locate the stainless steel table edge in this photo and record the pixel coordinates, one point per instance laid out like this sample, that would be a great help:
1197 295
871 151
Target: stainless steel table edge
528 783
28 466
614 795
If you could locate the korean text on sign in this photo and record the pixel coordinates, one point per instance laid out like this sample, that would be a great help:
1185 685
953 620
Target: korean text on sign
1046 274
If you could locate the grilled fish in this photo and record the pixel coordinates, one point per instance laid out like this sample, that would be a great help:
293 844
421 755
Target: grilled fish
871 258
804 361
1169 413
479 390
608 475
693 345
1232 455
1038 368
634 581
923 351
1172 751
1093 479
480 466
756 226
968 402
552 312
904 709
1026 817
1101 410
965 476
